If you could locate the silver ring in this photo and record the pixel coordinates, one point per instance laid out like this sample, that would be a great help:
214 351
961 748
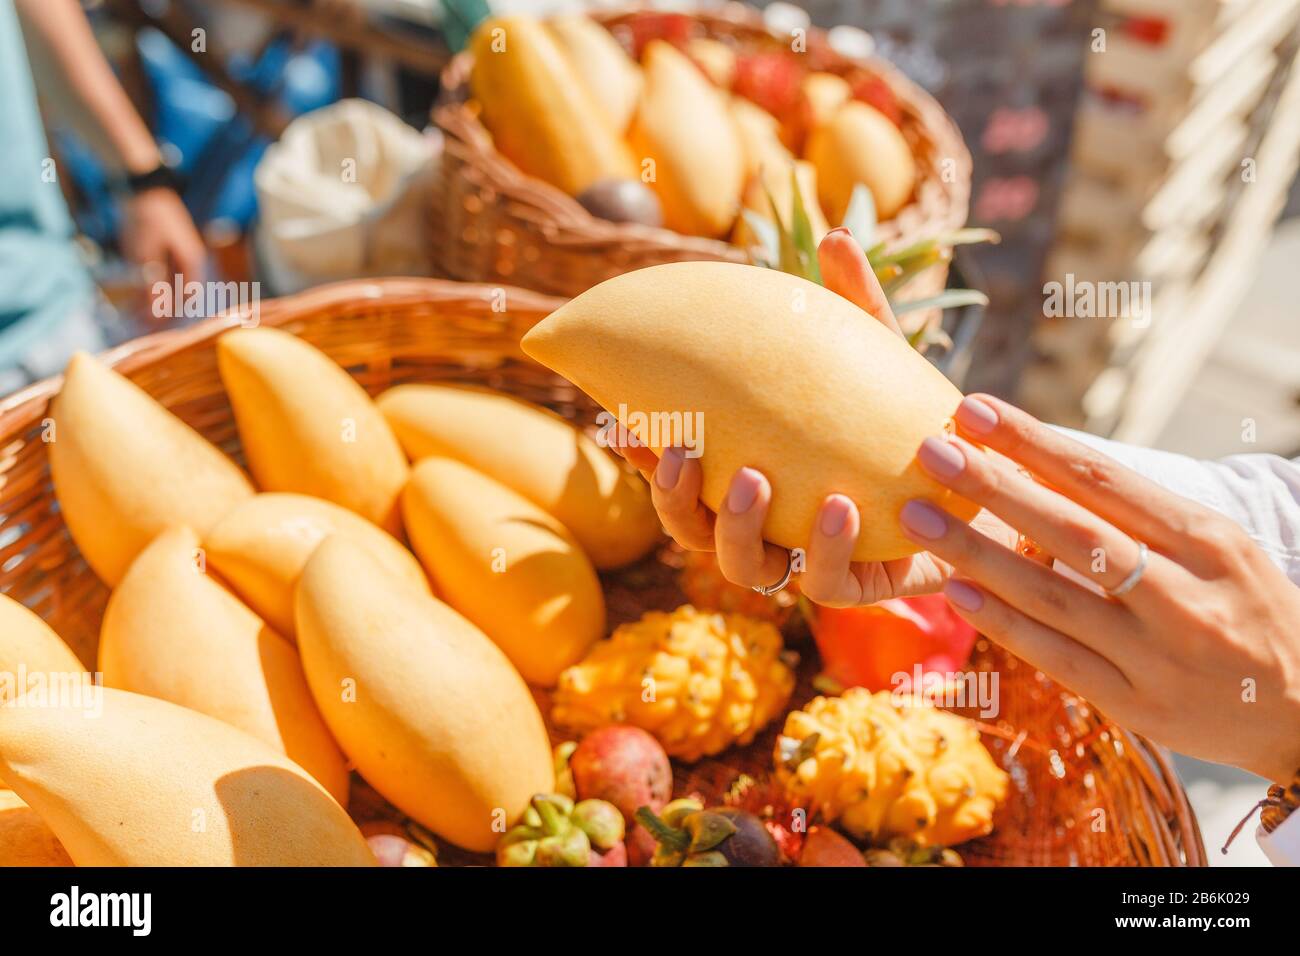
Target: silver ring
1134 576
770 589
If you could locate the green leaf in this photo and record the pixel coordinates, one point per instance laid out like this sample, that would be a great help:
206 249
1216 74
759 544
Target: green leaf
860 218
789 260
947 299
802 233
958 237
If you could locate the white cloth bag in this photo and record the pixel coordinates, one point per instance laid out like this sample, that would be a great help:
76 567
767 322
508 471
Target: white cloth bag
344 194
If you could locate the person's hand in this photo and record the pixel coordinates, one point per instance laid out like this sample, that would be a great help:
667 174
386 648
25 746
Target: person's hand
829 576
159 235
1202 654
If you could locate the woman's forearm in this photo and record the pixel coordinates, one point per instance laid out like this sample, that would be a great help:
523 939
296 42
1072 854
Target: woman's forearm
64 35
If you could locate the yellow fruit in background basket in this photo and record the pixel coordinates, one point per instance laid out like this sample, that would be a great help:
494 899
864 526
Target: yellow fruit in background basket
775 184
124 468
260 547
308 427
541 114
886 768
715 58
699 682
172 632
508 566
25 840
783 375
859 144
148 783
613 77
760 136
536 454
822 95
683 125
426 706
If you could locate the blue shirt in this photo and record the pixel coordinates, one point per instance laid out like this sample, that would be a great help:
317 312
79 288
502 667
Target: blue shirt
42 277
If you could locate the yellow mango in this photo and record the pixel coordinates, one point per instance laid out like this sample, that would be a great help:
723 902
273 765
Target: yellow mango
682 123
25 840
821 96
542 115
29 645
33 657
784 376
147 783
859 144
715 58
536 454
604 66
259 549
426 706
760 136
508 566
172 632
307 427
776 182
124 468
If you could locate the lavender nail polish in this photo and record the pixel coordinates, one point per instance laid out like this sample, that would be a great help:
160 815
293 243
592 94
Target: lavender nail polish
965 596
976 417
941 458
669 468
923 519
744 490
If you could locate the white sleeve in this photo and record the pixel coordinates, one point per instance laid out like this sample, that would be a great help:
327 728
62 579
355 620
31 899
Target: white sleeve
1259 492
1282 846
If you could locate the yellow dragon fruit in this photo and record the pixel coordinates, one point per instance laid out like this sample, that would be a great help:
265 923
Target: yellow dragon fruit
698 682
889 767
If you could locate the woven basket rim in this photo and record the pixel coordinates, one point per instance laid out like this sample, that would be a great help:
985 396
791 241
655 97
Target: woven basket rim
567 221
23 408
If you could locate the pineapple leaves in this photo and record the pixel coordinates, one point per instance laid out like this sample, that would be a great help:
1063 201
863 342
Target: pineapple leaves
947 299
797 254
801 231
860 219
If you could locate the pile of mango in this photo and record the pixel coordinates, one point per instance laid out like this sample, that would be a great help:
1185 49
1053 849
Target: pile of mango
689 133
269 631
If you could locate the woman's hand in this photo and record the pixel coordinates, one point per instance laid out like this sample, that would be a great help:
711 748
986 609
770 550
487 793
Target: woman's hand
829 577
1202 654
159 235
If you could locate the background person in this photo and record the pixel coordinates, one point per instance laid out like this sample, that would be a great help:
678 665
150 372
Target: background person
48 304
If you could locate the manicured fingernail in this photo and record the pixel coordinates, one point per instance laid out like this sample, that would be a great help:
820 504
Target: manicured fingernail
744 489
965 596
976 416
835 515
923 519
941 458
669 468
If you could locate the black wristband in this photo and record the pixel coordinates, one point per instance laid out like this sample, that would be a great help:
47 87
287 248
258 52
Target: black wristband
161 176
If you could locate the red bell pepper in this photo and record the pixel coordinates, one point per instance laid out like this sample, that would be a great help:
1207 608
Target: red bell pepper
879 646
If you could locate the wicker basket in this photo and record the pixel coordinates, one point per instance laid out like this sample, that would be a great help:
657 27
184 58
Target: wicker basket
493 223
1084 791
